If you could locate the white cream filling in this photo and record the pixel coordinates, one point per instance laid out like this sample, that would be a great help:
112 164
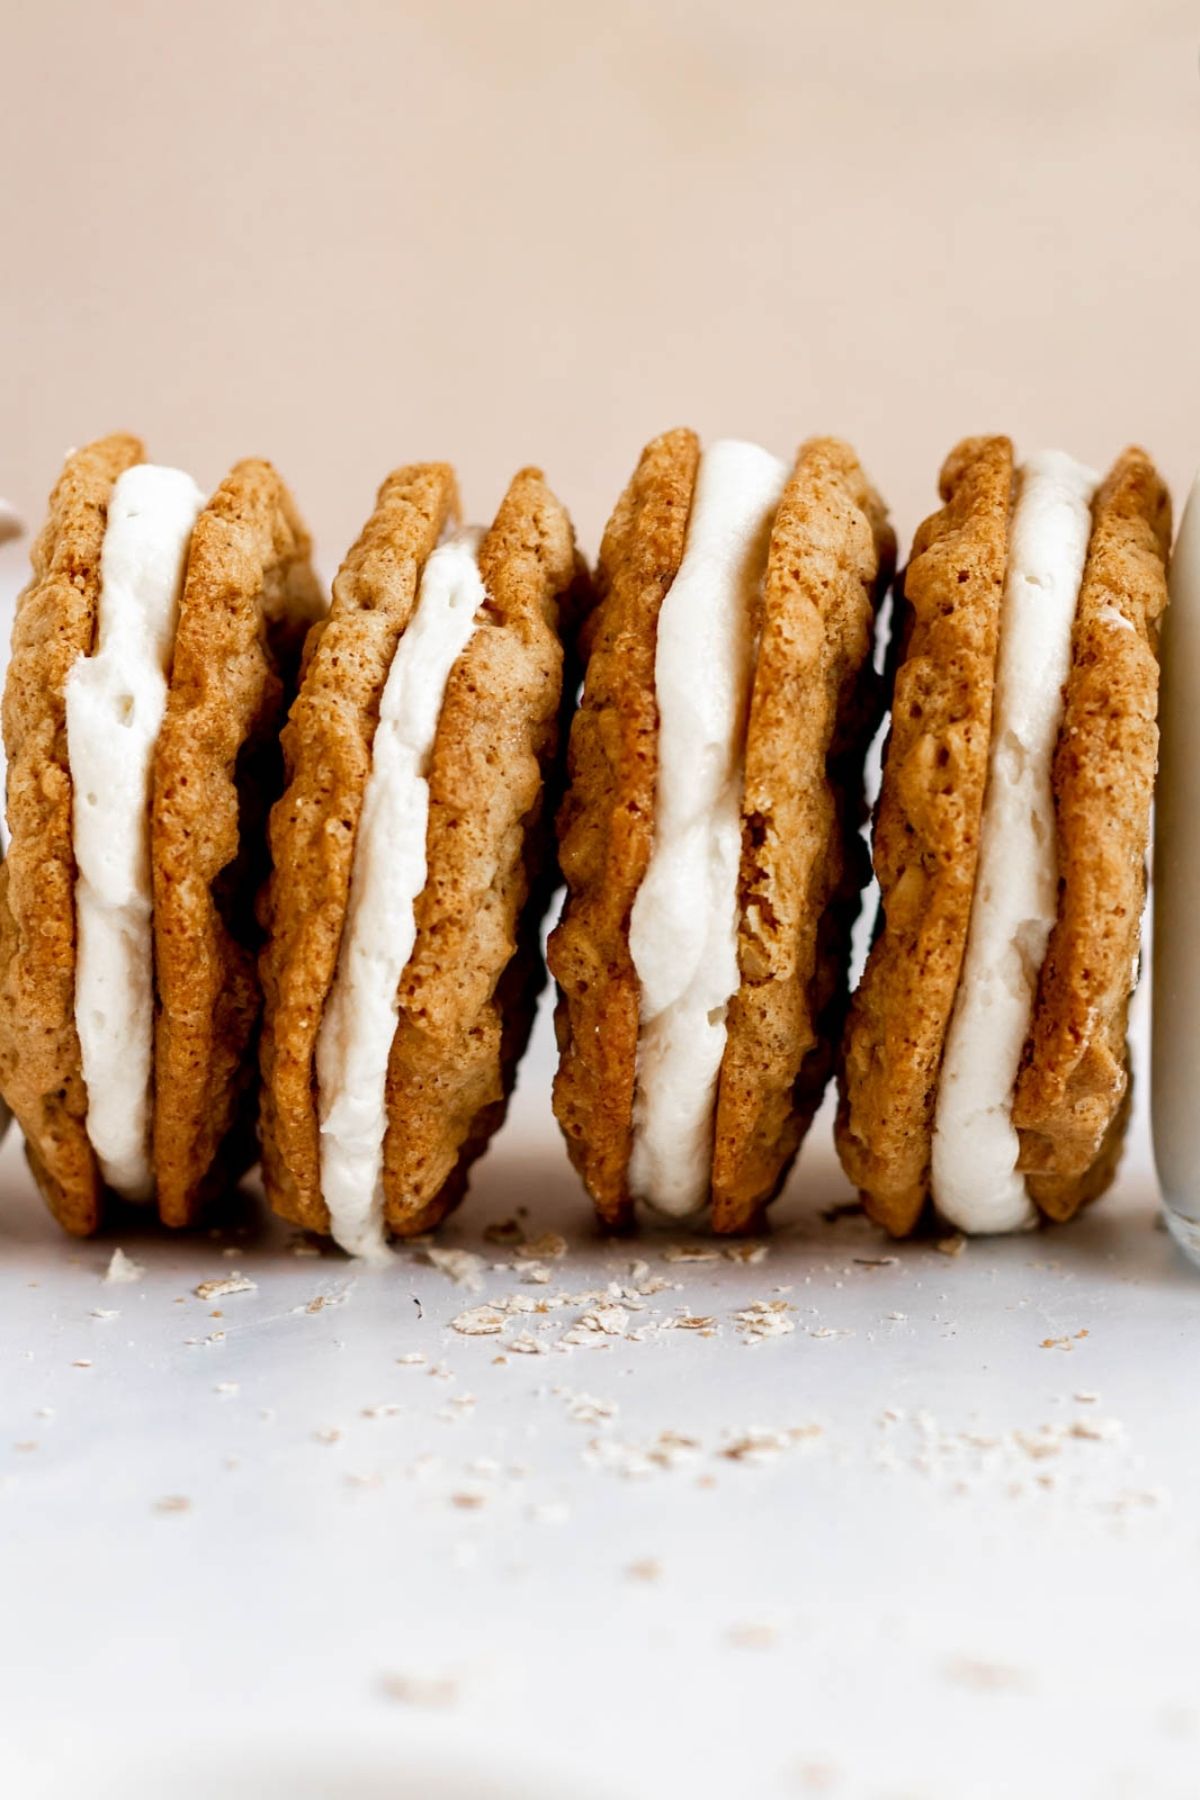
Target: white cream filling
114 704
683 926
975 1147
389 873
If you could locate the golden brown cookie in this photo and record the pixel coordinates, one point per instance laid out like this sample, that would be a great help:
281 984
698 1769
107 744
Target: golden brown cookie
1069 1106
812 709
926 839
1072 1094
467 995
606 825
248 594
248 599
40 1066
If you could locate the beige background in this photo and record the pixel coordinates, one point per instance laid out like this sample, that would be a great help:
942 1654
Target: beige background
349 235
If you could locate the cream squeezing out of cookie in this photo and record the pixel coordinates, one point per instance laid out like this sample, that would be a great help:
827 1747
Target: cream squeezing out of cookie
389 873
683 926
975 1180
115 700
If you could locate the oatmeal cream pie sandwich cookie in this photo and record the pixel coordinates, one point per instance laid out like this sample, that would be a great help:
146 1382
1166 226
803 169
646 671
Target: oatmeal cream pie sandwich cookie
985 1062
413 857
154 651
710 833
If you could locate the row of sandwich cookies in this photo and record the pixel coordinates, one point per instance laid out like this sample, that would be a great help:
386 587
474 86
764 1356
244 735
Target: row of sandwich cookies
350 987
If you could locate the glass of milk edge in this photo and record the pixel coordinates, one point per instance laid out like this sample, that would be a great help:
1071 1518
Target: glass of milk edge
1175 1000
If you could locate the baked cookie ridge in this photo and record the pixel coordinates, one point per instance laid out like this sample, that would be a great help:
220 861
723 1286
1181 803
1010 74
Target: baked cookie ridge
814 707
249 596
468 993
926 832
606 822
1070 1098
40 1059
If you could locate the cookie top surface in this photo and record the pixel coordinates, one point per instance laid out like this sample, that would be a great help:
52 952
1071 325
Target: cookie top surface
927 831
813 708
606 824
249 595
40 1067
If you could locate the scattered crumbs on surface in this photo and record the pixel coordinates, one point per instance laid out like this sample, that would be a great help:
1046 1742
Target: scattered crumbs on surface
411 1359
876 1262
645 1284
328 1297
835 1331
173 1503
550 1512
688 1321
387 1410
550 1246
327 1434
745 1253
1062 1343
441 1372
1096 1431
596 1324
479 1321
464 1268
82 1362
220 1289
691 1253
954 1245
760 1444
469 1499
227 1388
27 1447
122 1268
645 1568
214 1337
104 1313
753 1634
764 1319
431 1692
983 1676
669 1450
525 1344
1085 1398
588 1409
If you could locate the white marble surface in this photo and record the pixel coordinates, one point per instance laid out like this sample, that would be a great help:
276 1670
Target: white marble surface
261 1554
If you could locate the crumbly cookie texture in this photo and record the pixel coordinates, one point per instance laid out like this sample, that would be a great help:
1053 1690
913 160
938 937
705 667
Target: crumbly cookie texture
249 596
606 824
468 995
1071 1094
813 710
40 1070
327 758
927 832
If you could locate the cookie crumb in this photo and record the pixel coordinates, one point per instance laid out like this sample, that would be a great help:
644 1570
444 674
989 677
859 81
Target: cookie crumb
122 1268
